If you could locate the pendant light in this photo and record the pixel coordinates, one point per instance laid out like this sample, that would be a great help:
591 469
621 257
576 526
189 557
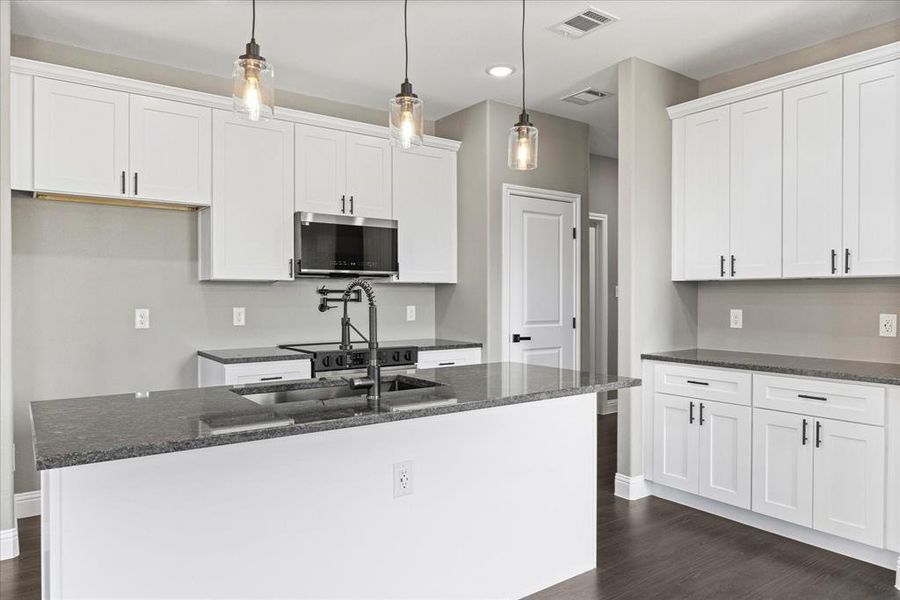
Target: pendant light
523 136
407 115
253 82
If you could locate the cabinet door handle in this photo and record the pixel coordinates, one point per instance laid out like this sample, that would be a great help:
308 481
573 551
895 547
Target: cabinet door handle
803 438
818 433
698 382
691 414
290 267
721 266
123 182
343 203
351 205
808 397
732 265
135 184
446 364
275 378
833 261
701 414
846 260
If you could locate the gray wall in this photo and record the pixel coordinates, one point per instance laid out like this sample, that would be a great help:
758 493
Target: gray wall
80 270
474 306
836 319
654 312
604 199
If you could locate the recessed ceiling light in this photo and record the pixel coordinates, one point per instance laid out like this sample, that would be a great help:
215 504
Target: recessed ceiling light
500 71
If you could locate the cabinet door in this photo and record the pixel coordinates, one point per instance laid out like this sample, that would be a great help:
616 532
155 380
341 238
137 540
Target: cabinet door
170 151
80 139
871 176
812 179
848 492
368 176
783 466
425 209
321 170
725 452
700 193
252 225
21 131
675 442
755 211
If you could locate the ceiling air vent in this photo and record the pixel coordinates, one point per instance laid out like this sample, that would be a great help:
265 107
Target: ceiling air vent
585 96
588 20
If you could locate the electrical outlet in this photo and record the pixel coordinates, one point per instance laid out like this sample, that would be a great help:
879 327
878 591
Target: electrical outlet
142 318
887 325
238 316
737 318
411 312
403 485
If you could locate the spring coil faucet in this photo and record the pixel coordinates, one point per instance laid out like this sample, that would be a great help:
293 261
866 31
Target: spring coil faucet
372 380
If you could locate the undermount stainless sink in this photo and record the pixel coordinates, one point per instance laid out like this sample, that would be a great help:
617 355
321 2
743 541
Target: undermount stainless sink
331 389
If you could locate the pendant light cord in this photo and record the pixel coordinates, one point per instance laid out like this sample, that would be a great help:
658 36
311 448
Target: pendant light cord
253 26
523 56
405 43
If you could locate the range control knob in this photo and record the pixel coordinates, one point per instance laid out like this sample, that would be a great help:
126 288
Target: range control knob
407 356
339 360
326 361
395 356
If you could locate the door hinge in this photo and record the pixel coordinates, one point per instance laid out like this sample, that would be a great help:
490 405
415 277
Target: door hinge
574 233
573 323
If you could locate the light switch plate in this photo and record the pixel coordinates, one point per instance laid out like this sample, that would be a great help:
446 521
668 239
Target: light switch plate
142 318
887 325
238 316
737 318
411 312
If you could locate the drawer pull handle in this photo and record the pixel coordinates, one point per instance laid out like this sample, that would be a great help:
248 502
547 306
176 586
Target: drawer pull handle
808 397
275 378
446 364
697 382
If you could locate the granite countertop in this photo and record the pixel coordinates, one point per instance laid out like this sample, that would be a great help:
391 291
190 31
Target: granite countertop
853 370
270 353
80 431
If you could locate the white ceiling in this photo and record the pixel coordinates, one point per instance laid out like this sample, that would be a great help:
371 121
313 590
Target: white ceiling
352 50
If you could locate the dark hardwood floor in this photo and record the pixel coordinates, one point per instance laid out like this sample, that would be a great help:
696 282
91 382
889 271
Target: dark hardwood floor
646 549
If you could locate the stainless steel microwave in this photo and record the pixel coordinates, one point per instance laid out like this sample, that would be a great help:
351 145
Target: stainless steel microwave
344 246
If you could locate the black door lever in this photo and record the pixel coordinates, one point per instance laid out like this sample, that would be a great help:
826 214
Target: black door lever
520 338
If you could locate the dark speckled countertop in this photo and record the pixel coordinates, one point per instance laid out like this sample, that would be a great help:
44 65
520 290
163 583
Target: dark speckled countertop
853 370
79 431
265 354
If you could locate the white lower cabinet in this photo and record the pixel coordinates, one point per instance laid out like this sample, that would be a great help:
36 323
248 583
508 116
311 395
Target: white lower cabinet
211 372
782 466
453 357
703 447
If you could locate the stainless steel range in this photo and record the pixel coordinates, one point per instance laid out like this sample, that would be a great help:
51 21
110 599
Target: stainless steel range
330 357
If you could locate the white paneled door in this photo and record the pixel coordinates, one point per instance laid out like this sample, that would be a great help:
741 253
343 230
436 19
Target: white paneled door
871 176
725 452
675 442
80 139
812 179
541 302
171 151
783 466
848 494
755 206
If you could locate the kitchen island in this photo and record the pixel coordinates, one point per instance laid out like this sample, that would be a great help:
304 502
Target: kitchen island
470 482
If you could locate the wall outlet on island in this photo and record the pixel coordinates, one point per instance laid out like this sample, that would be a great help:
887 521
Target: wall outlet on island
238 316
142 318
887 325
411 312
736 319
403 485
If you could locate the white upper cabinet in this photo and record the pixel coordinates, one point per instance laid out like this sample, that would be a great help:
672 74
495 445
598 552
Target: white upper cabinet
342 173
812 179
320 170
368 176
80 139
700 195
871 158
424 192
170 151
247 233
755 199
21 131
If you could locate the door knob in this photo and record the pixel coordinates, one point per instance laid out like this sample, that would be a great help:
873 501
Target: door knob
520 338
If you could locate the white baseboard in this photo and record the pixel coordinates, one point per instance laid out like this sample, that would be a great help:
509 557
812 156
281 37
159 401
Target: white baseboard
870 554
28 504
631 488
9 543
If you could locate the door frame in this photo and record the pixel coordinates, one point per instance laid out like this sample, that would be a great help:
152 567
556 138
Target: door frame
510 189
599 347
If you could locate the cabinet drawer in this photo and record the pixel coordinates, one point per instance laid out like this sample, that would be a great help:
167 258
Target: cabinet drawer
820 398
722 385
435 359
279 370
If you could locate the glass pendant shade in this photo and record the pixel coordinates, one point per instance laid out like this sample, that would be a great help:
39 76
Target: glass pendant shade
523 145
253 86
407 118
